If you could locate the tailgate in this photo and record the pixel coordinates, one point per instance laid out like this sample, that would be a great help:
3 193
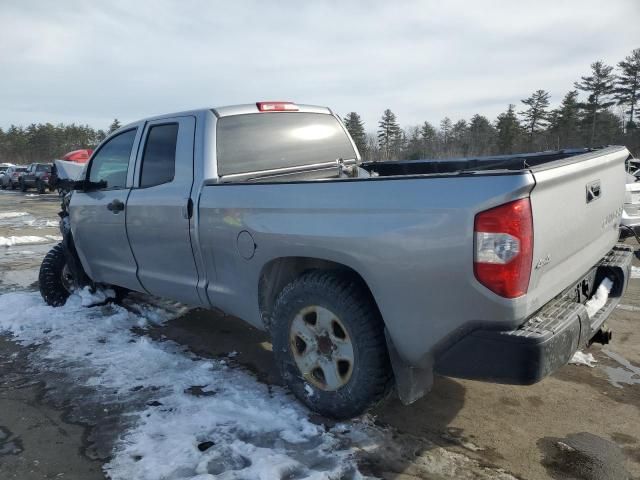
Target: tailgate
577 206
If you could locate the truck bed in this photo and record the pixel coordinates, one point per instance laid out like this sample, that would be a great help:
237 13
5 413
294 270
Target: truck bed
533 161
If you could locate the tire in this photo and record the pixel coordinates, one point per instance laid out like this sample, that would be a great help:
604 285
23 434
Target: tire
53 288
13 186
23 187
40 187
353 385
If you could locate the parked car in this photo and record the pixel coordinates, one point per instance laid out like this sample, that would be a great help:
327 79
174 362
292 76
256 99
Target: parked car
3 169
630 225
365 275
12 177
37 176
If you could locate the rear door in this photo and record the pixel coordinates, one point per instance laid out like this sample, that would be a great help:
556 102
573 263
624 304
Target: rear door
98 216
159 210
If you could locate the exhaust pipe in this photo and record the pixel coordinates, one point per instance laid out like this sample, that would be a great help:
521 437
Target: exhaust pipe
602 336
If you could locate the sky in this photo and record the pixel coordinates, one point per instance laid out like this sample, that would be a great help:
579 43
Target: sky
89 62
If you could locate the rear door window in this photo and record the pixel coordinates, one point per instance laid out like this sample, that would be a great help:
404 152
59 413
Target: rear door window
266 141
159 156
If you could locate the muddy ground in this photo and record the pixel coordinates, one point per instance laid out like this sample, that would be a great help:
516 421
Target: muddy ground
579 423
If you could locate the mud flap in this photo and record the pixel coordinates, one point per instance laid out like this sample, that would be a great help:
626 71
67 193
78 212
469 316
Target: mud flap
411 383
80 278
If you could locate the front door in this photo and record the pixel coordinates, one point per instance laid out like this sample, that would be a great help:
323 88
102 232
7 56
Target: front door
98 215
159 210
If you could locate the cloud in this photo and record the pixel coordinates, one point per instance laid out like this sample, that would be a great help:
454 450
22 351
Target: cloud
87 62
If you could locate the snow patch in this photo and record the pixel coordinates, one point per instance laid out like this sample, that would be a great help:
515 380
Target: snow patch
42 223
628 308
251 431
635 272
580 358
599 299
7 215
88 298
27 240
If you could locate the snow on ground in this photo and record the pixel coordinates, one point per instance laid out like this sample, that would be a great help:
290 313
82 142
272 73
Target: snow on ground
257 433
191 418
25 219
580 358
6 215
635 272
27 240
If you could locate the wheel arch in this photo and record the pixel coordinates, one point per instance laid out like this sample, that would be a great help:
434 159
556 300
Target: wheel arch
279 272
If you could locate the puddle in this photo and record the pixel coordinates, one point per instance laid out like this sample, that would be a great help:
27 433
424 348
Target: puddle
583 455
627 373
9 445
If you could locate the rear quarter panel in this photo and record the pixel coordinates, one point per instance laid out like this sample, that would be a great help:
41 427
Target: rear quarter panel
410 239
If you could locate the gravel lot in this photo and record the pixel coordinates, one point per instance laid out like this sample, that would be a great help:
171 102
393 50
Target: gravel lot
60 417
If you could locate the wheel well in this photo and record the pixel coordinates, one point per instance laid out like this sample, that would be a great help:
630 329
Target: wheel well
280 272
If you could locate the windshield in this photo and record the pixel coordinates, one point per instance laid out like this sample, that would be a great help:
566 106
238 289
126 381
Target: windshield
265 141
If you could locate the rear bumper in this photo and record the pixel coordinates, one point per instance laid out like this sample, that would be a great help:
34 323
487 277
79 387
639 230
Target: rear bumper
546 341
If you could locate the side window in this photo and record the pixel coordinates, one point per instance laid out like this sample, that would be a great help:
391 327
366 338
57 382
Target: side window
159 156
111 163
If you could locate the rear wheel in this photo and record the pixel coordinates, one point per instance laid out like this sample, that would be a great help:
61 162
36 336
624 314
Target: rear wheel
40 187
23 186
55 278
329 344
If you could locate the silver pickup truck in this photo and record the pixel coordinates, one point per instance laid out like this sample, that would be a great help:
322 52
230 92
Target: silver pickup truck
366 275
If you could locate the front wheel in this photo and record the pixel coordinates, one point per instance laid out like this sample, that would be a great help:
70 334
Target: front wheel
40 187
329 344
23 187
55 278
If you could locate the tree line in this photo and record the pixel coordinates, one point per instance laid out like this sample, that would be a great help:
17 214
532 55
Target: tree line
601 109
44 142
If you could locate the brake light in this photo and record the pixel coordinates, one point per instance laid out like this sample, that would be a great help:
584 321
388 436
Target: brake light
277 107
504 248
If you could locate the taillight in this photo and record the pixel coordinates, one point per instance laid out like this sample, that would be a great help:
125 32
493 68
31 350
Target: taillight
504 248
277 106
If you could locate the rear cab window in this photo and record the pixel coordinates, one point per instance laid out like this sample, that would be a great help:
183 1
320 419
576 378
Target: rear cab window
269 141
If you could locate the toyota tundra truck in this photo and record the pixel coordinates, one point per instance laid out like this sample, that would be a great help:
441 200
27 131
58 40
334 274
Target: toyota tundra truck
365 275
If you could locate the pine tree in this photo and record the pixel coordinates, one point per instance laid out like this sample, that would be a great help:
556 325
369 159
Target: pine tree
481 135
508 131
565 122
627 88
429 139
115 125
599 85
459 138
389 135
354 125
536 116
445 130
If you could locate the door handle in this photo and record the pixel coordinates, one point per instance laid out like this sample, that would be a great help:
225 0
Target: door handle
115 206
